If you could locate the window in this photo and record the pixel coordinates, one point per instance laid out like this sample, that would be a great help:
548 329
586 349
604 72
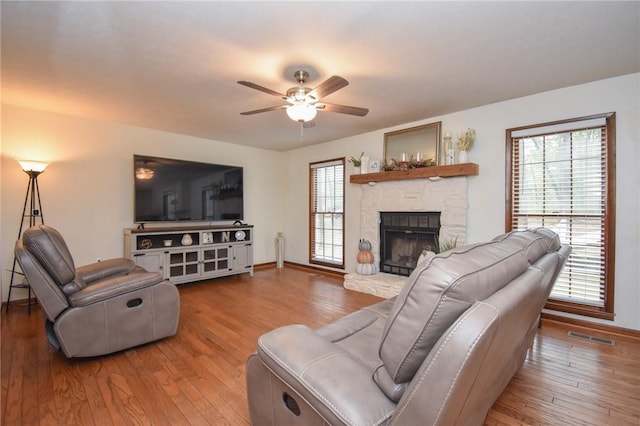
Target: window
562 176
326 242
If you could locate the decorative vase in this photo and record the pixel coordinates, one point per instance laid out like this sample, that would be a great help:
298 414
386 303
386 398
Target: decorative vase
463 157
279 250
364 165
186 240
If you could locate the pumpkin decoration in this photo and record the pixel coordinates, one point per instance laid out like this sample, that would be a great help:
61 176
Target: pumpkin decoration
366 260
364 245
364 257
367 268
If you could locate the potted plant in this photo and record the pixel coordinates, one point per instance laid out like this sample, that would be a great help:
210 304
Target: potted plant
465 142
357 162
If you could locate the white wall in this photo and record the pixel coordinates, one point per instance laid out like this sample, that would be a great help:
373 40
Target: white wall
486 191
87 191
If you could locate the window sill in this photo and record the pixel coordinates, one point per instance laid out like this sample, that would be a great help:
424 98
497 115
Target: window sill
577 309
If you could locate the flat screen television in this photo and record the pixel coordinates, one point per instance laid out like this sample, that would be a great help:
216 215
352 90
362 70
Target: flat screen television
169 190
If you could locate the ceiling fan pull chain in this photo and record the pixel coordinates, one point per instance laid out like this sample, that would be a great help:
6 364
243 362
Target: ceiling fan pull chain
301 130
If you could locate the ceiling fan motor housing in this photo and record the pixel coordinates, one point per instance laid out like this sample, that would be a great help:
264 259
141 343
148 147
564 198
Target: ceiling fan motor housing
301 76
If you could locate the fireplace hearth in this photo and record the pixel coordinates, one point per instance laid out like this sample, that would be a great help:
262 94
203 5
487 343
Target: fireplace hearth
404 236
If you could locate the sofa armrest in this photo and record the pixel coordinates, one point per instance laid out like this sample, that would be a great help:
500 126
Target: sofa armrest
106 268
112 287
331 380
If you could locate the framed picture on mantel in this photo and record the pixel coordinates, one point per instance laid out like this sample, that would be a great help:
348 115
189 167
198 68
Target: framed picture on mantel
414 144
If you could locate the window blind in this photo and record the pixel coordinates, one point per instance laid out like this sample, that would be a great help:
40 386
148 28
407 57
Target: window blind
559 181
327 212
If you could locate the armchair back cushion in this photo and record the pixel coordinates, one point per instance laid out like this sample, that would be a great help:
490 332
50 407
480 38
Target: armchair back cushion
48 247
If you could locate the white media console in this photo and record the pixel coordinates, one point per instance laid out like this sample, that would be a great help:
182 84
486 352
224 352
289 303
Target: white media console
185 254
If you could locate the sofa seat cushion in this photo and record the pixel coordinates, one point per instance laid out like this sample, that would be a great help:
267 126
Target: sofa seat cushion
325 376
359 333
437 292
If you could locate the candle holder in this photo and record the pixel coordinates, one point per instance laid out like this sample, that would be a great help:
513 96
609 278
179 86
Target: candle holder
448 149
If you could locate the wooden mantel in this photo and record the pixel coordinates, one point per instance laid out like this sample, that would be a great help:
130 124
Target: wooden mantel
466 169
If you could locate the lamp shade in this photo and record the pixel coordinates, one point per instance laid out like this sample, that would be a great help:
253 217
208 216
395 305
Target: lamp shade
301 111
33 166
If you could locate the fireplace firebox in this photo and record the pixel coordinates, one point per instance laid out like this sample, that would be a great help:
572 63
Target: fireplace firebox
403 237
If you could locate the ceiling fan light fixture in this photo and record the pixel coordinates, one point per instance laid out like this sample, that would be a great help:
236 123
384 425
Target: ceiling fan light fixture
301 112
303 102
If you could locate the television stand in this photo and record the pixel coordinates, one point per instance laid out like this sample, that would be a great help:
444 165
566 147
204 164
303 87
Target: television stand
192 253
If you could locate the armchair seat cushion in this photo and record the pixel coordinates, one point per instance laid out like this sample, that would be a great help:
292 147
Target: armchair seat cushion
105 268
113 286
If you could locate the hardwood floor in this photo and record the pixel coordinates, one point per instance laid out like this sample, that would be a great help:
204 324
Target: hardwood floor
197 377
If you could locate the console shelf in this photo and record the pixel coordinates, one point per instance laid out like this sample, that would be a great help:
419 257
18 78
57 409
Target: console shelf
465 169
191 253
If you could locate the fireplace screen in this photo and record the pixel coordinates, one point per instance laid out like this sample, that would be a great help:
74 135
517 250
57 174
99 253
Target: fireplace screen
403 237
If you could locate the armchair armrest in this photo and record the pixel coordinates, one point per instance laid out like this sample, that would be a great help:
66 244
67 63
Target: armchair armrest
112 287
329 378
104 269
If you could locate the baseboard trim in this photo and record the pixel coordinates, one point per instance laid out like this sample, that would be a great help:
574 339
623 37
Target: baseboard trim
610 329
267 265
303 267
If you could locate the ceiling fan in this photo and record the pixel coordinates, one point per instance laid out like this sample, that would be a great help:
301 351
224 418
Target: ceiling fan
303 103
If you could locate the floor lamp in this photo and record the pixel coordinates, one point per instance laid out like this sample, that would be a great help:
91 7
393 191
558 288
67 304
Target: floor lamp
34 212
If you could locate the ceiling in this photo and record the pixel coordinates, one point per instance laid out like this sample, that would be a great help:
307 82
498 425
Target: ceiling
174 66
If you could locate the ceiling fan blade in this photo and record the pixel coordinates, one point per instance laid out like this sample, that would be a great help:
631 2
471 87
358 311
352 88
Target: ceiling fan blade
258 111
262 89
327 87
343 109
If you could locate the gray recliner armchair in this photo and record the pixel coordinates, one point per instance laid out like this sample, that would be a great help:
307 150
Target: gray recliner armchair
99 308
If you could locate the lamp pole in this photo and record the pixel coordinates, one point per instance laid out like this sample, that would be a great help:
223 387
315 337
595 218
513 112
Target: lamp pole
32 198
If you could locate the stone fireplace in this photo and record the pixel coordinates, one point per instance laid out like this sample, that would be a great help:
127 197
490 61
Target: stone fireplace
448 196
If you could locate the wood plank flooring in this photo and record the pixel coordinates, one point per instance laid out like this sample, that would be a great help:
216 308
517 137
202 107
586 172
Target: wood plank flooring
197 377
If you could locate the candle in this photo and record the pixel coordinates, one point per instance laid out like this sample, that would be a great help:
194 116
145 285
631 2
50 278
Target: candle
404 157
417 156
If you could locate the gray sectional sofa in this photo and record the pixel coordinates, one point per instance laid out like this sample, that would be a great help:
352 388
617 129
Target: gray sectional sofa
439 353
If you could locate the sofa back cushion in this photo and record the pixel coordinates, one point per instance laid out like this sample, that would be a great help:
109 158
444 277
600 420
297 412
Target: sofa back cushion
439 291
535 242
